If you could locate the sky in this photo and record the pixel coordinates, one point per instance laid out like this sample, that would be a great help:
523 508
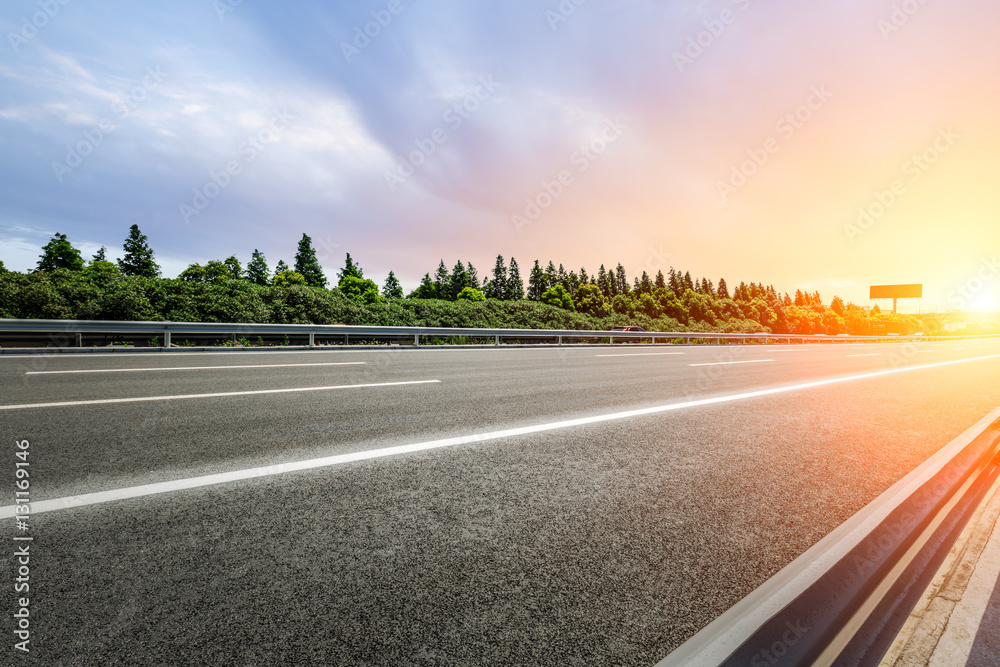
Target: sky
817 146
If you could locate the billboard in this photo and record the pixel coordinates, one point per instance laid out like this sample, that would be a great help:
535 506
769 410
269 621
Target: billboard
896 292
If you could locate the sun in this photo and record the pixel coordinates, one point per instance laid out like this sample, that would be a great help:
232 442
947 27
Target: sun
986 302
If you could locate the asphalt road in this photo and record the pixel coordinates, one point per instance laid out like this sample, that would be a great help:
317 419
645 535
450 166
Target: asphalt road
602 543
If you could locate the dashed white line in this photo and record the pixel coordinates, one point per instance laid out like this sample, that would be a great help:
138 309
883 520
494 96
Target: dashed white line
195 368
268 471
639 354
728 363
139 399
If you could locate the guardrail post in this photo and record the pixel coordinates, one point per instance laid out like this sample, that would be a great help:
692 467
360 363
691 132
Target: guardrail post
345 339
79 340
166 339
312 339
416 339
560 340
496 339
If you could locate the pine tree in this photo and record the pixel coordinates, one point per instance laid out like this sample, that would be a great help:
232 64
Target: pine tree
257 271
622 279
459 280
392 289
584 278
537 283
551 275
307 264
100 255
473 274
58 253
442 281
350 269
661 282
515 286
562 278
645 285
603 283
138 259
723 291
688 283
280 268
498 286
675 282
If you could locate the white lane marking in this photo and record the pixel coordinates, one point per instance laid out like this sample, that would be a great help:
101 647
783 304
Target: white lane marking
869 354
268 471
164 355
639 354
195 368
728 363
139 399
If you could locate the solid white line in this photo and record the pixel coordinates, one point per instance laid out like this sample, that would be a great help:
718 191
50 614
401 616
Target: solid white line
639 354
870 354
727 363
105 401
166 355
267 471
195 368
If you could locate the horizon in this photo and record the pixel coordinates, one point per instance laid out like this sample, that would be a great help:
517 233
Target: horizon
855 150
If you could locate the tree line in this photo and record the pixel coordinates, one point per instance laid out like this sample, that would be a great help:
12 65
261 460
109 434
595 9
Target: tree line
665 301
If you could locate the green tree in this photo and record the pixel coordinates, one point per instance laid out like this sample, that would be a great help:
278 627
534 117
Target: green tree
307 264
426 290
551 275
723 290
101 272
442 281
288 278
392 289
515 286
138 259
660 282
360 290
234 266
498 286
559 297
590 300
100 255
537 283
58 253
470 294
257 271
459 280
280 268
350 269
622 279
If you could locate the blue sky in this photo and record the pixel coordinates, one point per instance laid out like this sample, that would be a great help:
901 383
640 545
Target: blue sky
224 126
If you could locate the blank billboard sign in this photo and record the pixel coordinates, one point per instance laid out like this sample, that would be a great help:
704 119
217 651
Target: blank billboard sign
896 292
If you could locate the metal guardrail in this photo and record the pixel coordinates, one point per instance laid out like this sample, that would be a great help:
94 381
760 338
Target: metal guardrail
343 333
845 599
